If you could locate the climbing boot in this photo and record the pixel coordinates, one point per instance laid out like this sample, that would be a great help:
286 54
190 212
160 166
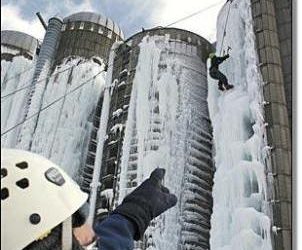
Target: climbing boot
220 87
229 86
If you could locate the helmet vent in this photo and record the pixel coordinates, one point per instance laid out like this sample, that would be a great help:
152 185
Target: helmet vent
4 193
23 183
54 176
35 219
3 172
22 165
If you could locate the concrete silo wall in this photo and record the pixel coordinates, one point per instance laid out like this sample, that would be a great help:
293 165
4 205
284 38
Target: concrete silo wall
87 34
273 35
25 44
283 12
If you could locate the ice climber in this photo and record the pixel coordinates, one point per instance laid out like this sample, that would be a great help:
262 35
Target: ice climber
216 74
40 205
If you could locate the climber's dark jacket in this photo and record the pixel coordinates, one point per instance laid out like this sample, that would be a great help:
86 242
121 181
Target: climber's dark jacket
215 61
214 70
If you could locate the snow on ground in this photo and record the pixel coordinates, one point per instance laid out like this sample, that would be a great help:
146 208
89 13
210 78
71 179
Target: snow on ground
239 219
15 75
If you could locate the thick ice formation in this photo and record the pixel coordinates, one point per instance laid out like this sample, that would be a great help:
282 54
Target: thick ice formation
15 76
239 219
61 131
161 112
68 123
167 107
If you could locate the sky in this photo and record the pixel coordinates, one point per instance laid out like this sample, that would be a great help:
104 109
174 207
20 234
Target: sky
131 15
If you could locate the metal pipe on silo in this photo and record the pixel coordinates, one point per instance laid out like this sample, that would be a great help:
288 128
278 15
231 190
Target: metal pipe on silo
41 20
46 56
95 183
49 45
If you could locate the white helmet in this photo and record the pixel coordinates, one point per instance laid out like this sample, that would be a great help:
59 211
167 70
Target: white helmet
36 196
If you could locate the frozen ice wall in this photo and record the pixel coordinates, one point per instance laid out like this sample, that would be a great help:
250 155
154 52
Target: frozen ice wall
62 131
41 75
240 212
15 76
168 126
69 96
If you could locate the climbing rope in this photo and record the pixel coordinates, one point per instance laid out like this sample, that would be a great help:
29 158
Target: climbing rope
194 14
225 25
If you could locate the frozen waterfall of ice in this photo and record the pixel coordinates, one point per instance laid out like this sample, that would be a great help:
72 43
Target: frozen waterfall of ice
240 215
15 75
240 212
60 132
68 123
166 97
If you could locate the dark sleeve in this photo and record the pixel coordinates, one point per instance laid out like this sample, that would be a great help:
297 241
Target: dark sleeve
78 219
221 59
115 232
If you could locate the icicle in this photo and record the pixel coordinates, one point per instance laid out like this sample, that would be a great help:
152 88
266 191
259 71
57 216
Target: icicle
239 219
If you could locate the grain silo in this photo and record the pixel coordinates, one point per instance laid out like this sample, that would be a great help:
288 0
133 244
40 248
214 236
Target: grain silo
18 54
71 66
87 34
273 34
42 72
158 117
15 43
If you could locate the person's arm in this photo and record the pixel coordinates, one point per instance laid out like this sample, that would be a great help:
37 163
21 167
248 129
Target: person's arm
221 59
81 230
115 232
130 220
84 234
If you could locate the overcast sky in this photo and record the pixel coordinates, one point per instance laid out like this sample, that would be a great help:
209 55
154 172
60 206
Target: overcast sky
131 15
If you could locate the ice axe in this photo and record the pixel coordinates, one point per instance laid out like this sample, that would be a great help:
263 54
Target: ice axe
229 48
227 52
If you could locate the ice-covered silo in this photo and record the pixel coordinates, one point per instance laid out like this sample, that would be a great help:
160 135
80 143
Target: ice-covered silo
158 117
36 88
65 97
18 54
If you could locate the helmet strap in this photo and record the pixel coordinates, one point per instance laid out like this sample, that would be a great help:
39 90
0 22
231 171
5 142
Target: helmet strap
67 234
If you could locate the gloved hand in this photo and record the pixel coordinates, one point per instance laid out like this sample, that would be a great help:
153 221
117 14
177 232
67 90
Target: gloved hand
227 56
146 202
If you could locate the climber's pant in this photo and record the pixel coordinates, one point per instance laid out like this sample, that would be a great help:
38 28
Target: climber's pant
216 74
